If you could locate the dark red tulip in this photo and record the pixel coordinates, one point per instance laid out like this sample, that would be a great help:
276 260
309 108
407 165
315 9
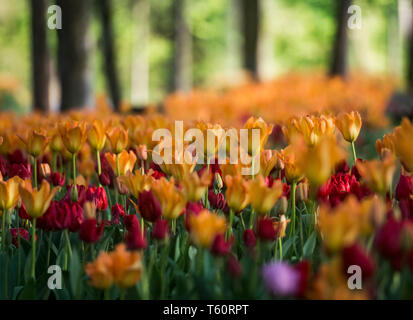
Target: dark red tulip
117 212
216 201
233 266
23 234
135 239
249 238
149 206
404 188
266 230
90 231
57 179
221 247
356 255
160 229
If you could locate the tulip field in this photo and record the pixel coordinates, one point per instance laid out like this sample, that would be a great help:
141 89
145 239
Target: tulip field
320 209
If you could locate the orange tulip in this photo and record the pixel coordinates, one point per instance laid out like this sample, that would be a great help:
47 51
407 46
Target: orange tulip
136 182
340 227
195 186
35 142
118 138
120 267
318 162
73 135
126 161
263 198
237 193
9 193
264 130
213 137
205 226
378 175
349 125
403 137
36 201
172 199
96 136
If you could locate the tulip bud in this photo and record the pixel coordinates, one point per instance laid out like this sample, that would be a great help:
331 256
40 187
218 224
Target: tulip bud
104 179
280 164
249 238
302 191
149 206
282 205
266 230
57 179
142 152
90 232
221 247
233 266
136 240
89 210
45 170
160 229
121 187
218 180
117 212
74 194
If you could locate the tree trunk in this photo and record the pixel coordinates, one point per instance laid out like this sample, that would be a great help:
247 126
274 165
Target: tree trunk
140 53
409 31
40 56
109 53
73 55
339 58
250 28
182 61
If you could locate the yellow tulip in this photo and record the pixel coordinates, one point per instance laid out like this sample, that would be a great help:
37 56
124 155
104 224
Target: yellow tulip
9 193
36 201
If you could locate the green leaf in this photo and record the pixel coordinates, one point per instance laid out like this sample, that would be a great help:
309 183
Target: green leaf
29 291
310 244
75 275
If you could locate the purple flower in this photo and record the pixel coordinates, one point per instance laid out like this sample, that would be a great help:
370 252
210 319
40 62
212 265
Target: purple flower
280 278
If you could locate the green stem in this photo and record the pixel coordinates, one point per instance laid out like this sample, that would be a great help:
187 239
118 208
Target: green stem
242 220
280 243
18 250
74 168
231 219
35 172
117 165
33 274
293 187
3 231
69 247
49 244
354 152
301 233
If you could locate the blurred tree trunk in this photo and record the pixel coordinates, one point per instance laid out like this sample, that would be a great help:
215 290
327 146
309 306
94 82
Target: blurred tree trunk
40 56
250 20
74 55
140 53
109 52
409 82
182 59
339 58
